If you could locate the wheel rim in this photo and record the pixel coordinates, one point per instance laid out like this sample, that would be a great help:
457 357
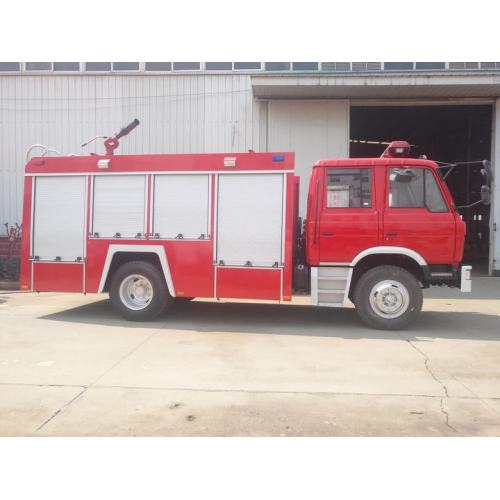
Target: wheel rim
136 292
389 299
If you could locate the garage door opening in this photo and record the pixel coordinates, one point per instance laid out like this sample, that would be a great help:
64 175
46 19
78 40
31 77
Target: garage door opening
445 134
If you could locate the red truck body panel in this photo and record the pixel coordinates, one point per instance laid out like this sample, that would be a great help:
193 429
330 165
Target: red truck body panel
191 263
58 277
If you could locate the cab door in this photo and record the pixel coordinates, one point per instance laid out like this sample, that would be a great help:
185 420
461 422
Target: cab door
349 219
416 215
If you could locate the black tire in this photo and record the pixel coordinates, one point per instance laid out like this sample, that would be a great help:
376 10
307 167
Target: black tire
404 284
160 296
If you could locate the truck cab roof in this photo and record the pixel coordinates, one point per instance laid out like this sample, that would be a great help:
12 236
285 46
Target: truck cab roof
358 162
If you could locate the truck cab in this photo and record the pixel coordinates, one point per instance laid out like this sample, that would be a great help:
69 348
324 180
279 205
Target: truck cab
389 217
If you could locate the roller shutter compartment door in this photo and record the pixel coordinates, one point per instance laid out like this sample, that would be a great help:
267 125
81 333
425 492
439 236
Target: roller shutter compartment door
181 206
59 218
250 219
119 206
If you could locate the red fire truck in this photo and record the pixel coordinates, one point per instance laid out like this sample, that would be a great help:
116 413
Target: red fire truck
150 229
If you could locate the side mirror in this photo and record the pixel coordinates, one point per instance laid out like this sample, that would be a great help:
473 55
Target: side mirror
487 172
485 195
405 175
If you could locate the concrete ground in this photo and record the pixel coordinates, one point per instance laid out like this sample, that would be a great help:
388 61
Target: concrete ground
70 367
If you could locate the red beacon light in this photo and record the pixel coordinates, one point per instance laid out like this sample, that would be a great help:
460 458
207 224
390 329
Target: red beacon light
397 149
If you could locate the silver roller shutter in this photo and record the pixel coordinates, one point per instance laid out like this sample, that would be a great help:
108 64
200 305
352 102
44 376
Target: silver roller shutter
119 205
181 205
249 219
59 217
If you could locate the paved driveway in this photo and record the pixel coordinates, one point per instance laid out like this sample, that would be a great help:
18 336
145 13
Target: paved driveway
70 366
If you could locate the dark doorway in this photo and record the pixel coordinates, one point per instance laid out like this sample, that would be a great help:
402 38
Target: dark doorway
442 133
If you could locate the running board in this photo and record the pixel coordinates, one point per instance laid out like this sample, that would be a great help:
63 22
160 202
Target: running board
330 286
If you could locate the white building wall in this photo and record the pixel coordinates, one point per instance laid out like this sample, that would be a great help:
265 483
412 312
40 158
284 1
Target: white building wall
314 129
179 113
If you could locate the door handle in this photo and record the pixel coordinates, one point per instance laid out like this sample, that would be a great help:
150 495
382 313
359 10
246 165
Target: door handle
327 233
391 234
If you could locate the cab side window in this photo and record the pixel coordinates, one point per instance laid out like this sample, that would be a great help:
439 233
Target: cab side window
349 188
433 197
415 188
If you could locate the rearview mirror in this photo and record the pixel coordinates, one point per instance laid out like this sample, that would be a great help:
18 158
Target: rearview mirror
405 175
485 195
487 172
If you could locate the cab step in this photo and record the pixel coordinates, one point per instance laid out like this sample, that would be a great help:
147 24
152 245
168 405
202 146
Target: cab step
330 285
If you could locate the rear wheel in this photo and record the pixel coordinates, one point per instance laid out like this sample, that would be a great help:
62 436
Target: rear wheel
388 298
138 291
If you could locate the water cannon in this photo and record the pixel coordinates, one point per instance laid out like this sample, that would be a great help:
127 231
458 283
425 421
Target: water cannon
111 143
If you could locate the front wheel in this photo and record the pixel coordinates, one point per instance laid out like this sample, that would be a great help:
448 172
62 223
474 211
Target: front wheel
138 291
388 298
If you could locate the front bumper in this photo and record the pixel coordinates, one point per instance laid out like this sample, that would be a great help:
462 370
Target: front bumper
465 279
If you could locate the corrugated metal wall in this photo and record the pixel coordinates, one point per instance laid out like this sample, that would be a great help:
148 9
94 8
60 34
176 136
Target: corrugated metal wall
178 113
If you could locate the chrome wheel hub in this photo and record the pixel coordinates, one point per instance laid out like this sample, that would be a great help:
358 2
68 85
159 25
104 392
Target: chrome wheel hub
389 299
136 292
